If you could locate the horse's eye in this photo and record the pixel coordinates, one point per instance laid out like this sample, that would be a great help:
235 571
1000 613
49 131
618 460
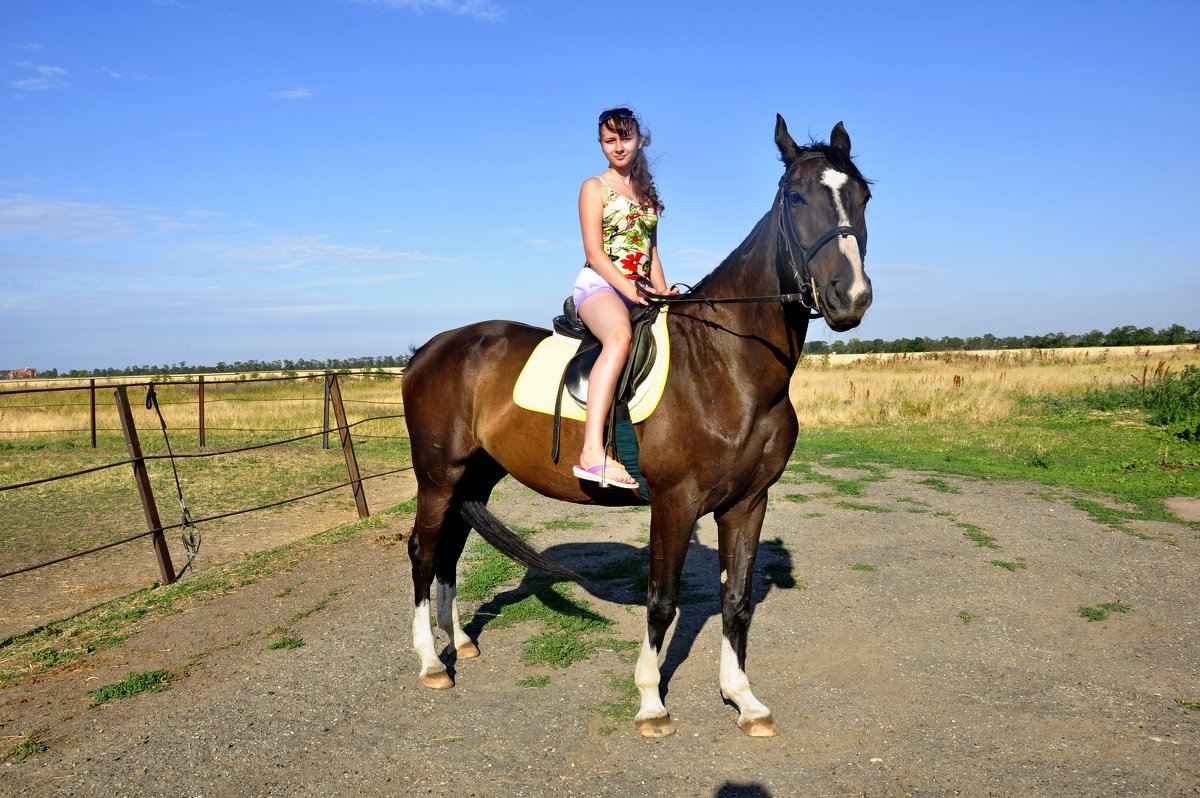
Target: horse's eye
795 198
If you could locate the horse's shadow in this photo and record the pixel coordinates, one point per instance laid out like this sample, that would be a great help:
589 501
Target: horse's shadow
618 573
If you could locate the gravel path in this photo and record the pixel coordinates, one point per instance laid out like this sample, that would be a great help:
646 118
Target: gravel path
936 673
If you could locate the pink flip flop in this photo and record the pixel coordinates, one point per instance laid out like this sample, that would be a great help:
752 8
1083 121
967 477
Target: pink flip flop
599 473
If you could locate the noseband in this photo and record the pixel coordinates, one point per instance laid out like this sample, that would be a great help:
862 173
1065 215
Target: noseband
808 296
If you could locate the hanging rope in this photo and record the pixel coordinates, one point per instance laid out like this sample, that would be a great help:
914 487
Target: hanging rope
189 533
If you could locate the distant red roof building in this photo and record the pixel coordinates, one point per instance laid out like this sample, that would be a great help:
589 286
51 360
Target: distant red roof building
19 374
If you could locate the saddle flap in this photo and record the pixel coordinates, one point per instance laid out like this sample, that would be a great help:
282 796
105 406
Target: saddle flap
638 366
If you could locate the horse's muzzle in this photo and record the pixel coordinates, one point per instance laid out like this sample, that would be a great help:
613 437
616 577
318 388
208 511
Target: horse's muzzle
844 302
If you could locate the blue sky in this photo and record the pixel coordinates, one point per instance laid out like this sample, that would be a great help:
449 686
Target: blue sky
223 180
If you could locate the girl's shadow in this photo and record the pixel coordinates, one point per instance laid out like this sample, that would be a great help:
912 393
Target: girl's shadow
618 573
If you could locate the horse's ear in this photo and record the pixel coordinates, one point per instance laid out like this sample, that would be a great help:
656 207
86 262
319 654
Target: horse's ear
840 138
783 140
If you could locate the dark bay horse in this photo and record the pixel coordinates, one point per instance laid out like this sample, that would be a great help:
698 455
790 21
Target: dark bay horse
721 436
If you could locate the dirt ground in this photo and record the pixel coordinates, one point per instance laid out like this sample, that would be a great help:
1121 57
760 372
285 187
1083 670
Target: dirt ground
936 673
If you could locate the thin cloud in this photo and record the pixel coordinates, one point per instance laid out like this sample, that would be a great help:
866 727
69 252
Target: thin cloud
289 252
298 93
45 77
23 215
476 9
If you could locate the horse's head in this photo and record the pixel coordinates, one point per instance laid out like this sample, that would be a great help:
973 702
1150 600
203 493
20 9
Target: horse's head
822 223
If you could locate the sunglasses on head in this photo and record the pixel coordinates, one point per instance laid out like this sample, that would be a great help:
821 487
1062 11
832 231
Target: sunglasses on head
619 113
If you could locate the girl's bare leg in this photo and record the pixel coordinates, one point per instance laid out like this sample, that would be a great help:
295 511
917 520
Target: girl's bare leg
608 318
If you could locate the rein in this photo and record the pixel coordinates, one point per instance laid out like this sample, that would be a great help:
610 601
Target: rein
807 296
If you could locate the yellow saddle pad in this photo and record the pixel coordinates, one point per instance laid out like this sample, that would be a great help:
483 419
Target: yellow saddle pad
540 378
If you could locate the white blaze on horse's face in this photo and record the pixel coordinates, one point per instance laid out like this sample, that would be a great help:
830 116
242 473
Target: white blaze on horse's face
835 181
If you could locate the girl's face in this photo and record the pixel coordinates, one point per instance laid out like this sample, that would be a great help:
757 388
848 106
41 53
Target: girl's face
620 148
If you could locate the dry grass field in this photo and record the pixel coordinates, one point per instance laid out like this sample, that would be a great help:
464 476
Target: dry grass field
236 407
968 387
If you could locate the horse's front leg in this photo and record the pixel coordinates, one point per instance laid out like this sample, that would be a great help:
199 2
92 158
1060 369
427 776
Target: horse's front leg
670 531
738 530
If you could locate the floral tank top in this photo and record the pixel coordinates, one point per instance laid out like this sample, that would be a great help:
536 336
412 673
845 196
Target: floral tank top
627 230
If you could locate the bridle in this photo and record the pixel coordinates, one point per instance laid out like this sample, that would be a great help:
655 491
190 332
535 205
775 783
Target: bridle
791 241
807 296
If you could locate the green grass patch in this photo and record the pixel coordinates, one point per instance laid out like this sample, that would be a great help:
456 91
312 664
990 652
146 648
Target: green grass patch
26 746
863 507
285 642
557 648
1090 452
977 536
967 617
1190 706
862 566
624 705
798 498
534 681
147 682
1009 565
940 485
1110 516
567 523
805 472
1101 611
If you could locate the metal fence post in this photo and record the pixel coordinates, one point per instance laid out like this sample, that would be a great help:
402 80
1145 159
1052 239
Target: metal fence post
92 392
339 411
165 569
325 414
201 411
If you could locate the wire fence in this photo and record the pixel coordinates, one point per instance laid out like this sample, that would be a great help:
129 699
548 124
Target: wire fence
180 399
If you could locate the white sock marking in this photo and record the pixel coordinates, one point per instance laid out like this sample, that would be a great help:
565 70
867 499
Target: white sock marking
646 676
423 640
736 687
848 245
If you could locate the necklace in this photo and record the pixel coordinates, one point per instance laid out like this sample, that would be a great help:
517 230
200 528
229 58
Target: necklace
624 183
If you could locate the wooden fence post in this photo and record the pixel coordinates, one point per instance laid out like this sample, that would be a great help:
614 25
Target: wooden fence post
165 569
339 411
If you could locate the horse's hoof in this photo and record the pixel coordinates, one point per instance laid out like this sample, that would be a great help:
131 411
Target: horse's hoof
656 727
438 680
760 727
467 651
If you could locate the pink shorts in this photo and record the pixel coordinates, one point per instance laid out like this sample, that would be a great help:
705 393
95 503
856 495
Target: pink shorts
590 282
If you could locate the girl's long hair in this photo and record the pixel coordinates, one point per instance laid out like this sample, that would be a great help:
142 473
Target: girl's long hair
640 176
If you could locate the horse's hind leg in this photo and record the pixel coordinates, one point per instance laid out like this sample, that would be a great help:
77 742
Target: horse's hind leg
450 547
437 542
433 513
738 532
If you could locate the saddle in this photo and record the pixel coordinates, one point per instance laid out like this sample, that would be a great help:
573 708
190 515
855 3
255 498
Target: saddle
642 353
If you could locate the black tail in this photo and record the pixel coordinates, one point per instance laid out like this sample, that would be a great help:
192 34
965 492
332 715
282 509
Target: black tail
493 530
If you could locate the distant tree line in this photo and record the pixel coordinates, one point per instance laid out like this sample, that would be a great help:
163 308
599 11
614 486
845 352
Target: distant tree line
1128 335
243 366
1118 336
